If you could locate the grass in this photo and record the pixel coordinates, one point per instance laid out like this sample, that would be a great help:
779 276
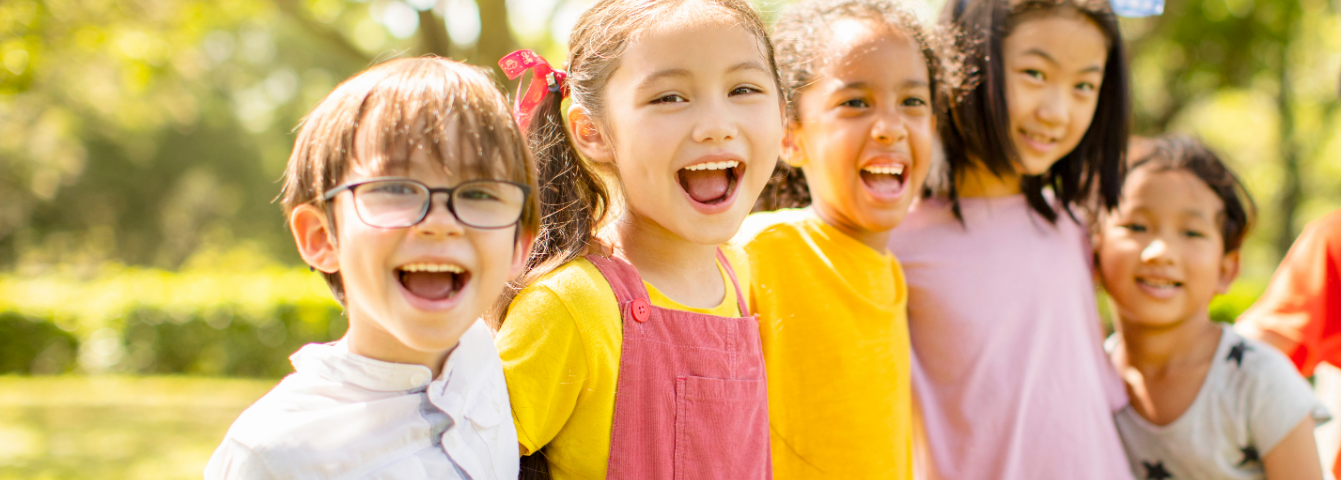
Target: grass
116 427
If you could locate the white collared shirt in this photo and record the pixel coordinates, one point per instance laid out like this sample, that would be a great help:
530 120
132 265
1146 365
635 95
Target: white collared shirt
345 416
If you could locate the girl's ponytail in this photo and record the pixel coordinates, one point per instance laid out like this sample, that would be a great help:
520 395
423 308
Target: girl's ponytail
787 188
573 199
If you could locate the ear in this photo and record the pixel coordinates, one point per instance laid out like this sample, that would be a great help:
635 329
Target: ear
588 137
793 152
315 238
520 252
1229 270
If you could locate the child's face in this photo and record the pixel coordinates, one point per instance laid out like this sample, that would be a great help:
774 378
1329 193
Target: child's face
1161 254
398 310
693 123
1054 66
864 136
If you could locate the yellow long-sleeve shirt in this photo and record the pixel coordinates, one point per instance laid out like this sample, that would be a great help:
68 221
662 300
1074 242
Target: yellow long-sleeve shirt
560 344
834 323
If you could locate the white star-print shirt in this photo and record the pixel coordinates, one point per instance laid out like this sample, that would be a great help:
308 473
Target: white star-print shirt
345 416
1252 396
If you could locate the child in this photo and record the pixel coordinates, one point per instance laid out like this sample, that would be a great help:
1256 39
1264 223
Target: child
1206 403
1010 378
831 299
391 195
647 364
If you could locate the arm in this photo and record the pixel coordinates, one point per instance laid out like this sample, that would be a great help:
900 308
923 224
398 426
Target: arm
1296 456
545 364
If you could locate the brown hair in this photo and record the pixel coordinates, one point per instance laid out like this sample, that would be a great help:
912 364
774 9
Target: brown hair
802 35
574 200
1177 152
452 109
978 130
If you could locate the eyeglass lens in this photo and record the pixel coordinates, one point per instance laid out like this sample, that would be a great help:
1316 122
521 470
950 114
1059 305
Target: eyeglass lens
477 203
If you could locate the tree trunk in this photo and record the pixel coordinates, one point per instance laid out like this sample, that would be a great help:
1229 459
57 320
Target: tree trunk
433 34
495 36
1291 188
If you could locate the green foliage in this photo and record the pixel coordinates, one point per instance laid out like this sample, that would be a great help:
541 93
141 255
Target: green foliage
223 315
116 428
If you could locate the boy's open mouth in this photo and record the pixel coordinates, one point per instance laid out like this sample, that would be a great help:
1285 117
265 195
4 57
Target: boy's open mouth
883 179
712 182
433 281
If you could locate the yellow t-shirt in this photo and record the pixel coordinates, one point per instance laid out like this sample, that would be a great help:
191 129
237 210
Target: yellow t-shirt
560 346
834 322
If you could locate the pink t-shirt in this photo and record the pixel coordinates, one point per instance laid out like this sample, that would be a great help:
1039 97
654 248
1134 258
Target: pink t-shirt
1009 374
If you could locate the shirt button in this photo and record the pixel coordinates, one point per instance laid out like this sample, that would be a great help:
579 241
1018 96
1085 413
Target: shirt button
418 379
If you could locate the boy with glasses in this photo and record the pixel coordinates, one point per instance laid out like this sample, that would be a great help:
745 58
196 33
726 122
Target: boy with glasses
409 188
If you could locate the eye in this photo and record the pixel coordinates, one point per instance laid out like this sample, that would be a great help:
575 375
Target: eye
745 90
1035 74
670 98
855 103
1193 234
478 194
392 188
1087 87
1134 227
914 102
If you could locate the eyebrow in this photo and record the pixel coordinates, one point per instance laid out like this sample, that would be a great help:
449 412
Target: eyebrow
1049 59
684 72
864 85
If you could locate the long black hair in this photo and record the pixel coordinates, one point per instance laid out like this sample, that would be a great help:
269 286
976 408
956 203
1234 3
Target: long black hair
978 130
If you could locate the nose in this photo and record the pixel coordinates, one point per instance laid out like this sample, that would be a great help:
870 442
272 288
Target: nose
1156 251
889 128
714 123
440 221
1054 107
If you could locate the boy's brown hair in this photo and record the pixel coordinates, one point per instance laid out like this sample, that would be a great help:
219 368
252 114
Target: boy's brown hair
453 110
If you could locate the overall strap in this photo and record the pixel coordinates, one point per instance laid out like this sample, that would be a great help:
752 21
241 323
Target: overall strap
622 276
731 272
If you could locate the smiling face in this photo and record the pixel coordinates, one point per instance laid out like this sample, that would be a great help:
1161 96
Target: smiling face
411 292
1161 255
864 135
693 123
1054 66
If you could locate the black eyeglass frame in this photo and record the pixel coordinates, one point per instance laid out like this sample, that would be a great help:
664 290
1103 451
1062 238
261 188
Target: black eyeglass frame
428 202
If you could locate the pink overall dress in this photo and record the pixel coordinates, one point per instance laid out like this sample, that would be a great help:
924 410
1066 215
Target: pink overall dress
691 402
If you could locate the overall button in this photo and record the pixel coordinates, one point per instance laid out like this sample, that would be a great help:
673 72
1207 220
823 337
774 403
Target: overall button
641 310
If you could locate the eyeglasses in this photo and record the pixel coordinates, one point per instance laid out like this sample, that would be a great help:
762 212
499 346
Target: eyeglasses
395 202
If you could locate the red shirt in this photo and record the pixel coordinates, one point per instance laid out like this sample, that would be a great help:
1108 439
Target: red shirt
1303 302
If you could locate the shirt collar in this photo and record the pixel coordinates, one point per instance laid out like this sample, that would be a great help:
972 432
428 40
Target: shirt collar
333 361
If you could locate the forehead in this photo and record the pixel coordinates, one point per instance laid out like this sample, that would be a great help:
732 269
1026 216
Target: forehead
1169 190
1069 40
695 42
392 141
865 50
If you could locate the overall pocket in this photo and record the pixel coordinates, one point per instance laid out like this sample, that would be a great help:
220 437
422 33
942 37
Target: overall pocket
721 429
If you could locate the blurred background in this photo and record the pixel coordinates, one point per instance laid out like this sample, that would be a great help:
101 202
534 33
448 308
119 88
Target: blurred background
149 290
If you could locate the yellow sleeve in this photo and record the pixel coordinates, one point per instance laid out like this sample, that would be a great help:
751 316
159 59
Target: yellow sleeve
545 363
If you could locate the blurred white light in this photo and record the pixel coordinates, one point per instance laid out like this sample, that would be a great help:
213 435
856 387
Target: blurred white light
564 19
281 85
422 5
400 20
463 21
530 18
218 45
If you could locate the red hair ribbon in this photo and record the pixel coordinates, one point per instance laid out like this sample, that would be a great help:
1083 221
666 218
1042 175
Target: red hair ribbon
519 62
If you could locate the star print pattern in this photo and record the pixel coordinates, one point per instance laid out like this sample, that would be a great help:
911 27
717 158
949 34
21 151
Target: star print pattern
1156 471
1249 456
1236 352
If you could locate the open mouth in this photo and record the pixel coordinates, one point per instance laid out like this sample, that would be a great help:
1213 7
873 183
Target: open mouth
883 180
711 183
433 281
1159 284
